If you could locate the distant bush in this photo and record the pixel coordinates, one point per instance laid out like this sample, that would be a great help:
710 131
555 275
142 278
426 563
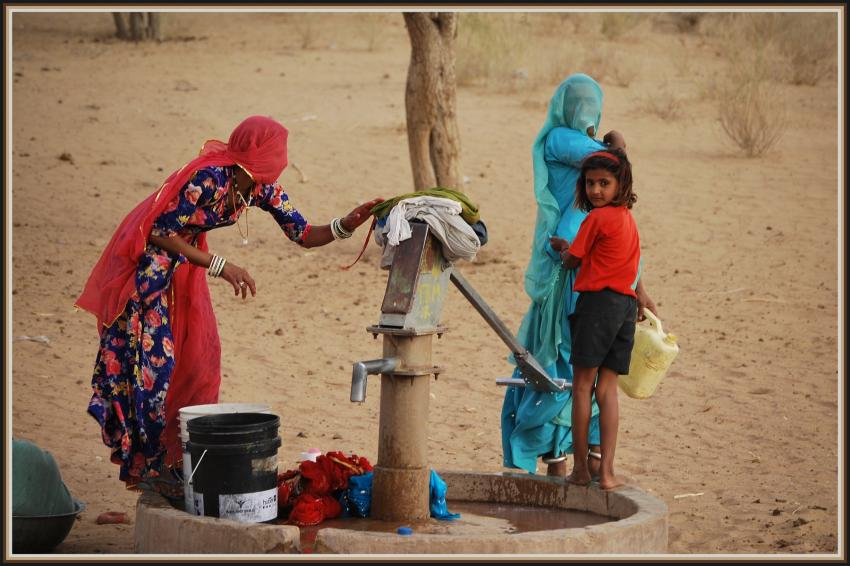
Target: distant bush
597 64
676 22
608 66
489 46
663 103
810 46
798 48
373 28
686 22
683 62
615 25
306 30
753 116
560 63
622 73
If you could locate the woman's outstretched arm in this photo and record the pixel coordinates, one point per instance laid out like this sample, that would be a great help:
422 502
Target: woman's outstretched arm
321 235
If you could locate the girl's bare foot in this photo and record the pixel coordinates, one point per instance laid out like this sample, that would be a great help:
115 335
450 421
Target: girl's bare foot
579 478
609 482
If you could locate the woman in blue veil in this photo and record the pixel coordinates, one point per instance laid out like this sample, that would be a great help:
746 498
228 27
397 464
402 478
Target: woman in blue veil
536 423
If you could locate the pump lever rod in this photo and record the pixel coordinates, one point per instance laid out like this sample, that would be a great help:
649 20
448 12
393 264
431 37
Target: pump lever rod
533 373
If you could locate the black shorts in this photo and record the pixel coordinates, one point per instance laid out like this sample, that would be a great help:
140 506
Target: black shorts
603 330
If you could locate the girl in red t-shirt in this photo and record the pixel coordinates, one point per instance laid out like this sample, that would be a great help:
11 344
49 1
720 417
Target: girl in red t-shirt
603 325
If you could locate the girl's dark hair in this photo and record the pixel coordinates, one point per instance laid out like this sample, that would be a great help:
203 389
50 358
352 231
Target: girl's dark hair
618 166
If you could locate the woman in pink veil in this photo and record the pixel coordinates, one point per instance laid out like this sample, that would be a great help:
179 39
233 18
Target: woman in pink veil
159 345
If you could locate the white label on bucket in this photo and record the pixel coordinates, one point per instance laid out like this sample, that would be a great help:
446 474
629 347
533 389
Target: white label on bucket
188 498
199 503
248 507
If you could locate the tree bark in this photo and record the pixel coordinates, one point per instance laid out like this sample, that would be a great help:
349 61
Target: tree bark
432 131
120 25
136 31
154 26
141 26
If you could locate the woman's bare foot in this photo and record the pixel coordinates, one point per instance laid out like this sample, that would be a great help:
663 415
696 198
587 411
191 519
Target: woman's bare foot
594 464
557 470
609 482
579 478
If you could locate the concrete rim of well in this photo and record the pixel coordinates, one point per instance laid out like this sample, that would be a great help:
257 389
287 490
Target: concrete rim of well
639 524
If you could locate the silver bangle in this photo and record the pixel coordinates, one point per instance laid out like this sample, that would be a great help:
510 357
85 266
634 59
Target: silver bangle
334 232
339 232
216 266
342 230
211 268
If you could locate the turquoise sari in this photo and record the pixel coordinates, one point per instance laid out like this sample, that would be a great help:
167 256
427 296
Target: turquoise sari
537 423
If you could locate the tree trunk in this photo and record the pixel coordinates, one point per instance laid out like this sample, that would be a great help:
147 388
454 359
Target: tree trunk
120 25
136 32
142 26
429 99
154 26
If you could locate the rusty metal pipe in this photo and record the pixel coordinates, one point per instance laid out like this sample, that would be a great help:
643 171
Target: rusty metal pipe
362 369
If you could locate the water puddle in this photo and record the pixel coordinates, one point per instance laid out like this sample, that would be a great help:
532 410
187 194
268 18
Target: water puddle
477 518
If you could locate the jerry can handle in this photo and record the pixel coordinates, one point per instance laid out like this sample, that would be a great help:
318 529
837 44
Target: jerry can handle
653 320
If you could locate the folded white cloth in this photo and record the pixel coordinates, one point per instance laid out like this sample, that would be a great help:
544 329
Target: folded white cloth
442 215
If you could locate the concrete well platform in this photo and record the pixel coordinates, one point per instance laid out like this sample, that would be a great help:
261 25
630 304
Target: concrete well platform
162 529
627 521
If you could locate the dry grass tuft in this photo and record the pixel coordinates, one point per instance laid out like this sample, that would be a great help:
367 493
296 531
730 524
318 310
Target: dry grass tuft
306 29
373 29
623 72
664 103
753 116
615 25
798 48
490 47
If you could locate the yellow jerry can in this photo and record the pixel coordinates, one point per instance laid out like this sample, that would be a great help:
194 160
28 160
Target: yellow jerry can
652 355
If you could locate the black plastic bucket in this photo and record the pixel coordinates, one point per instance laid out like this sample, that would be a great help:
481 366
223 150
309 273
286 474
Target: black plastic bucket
234 457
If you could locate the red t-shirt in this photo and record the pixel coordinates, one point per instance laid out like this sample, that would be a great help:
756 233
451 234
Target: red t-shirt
609 247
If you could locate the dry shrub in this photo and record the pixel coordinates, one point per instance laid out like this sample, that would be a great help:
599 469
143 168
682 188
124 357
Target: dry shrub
750 106
489 47
709 88
753 116
800 48
676 22
597 64
372 29
683 62
685 22
810 46
556 64
608 65
761 63
615 25
623 72
306 29
559 63
663 103
564 24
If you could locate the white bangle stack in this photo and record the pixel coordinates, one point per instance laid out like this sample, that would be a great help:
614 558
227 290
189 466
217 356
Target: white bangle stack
216 266
338 231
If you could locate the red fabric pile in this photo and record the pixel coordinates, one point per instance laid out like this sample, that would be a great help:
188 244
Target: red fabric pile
310 494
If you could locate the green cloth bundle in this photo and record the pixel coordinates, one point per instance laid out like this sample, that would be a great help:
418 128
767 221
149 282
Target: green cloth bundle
469 210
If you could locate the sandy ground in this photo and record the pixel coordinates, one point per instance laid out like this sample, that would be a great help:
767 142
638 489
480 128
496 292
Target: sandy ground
740 254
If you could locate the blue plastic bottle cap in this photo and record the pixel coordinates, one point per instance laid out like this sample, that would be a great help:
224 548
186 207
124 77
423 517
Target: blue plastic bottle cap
405 531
